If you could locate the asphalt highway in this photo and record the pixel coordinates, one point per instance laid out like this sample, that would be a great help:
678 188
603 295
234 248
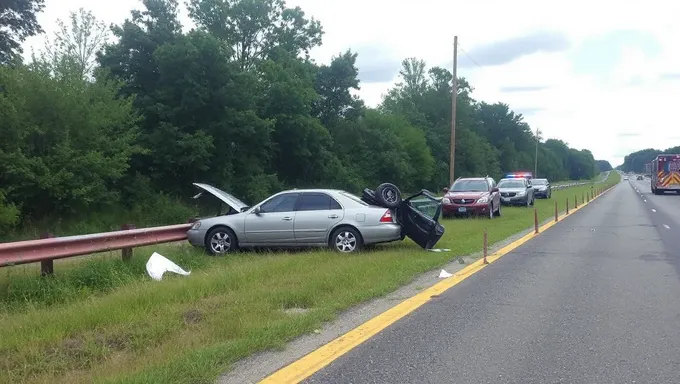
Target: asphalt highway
594 299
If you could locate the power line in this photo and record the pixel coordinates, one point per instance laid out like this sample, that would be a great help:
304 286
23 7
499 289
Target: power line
468 56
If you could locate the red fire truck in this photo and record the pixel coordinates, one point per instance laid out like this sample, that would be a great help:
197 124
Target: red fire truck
665 174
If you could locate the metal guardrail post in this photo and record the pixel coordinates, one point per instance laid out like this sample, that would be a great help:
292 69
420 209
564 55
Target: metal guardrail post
126 253
46 266
535 221
486 246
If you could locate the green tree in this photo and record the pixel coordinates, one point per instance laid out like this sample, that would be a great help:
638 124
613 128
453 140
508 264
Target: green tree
62 155
17 22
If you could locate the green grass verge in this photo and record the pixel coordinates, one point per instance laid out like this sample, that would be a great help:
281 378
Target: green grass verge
100 320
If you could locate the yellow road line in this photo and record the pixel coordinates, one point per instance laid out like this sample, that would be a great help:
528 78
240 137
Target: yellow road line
324 355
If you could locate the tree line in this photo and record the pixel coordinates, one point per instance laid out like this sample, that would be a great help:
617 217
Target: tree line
635 162
98 124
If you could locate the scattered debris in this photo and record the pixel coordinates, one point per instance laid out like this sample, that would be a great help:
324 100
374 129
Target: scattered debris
158 265
443 274
439 250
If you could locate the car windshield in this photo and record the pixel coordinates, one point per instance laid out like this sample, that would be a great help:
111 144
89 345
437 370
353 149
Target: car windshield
470 186
539 181
511 184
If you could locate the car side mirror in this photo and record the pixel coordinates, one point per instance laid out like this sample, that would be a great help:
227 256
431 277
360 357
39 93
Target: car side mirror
446 190
257 210
494 189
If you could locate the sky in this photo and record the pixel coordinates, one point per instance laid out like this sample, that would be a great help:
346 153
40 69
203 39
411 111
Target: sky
600 75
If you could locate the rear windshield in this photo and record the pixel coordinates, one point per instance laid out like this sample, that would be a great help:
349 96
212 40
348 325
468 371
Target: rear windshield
353 197
511 184
470 186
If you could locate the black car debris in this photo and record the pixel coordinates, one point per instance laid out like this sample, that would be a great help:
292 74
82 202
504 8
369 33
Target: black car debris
418 214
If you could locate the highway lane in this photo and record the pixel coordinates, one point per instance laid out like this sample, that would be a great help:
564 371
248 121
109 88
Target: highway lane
595 299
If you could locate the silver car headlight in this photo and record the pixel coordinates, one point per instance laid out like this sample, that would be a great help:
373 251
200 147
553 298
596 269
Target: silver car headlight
446 200
483 200
521 193
196 225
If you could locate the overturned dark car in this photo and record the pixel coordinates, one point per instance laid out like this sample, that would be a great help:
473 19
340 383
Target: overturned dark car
418 214
318 217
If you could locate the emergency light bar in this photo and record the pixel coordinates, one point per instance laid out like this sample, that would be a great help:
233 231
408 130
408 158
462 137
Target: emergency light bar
519 175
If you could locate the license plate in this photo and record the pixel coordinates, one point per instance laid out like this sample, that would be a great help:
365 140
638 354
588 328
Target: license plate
462 209
506 199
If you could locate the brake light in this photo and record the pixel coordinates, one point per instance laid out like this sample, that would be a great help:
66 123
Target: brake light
387 217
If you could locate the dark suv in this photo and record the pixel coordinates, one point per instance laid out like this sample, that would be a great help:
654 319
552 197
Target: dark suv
472 196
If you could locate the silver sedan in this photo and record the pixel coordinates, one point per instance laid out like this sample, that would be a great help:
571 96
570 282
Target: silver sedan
295 218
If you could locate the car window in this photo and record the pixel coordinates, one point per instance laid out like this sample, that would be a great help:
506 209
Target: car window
470 186
512 184
425 206
317 201
353 197
281 203
540 182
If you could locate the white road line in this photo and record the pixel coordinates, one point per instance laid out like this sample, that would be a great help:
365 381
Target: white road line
653 210
667 227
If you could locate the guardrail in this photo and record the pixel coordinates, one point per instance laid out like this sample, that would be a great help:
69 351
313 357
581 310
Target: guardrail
49 249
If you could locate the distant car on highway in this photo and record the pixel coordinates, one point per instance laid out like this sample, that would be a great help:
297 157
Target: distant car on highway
542 188
640 177
313 217
516 192
472 196
625 178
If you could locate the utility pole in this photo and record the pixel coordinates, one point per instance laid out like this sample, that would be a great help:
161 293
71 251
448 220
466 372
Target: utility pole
454 96
538 138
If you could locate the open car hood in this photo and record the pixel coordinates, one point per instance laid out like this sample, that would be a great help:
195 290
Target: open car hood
228 199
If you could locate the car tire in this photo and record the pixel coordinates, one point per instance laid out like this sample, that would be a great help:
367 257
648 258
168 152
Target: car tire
345 240
220 241
388 195
498 211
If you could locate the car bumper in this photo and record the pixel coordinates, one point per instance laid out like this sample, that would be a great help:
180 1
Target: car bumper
515 200
465 210
541 193
382 233
196 237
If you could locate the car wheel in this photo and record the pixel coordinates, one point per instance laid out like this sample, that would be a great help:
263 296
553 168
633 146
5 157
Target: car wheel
388 195
221 240
346 240
498 211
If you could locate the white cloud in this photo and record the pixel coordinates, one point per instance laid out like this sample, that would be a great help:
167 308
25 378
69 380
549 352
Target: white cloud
584 110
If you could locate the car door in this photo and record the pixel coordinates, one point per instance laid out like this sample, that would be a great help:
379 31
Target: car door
272 222
315 215
423 229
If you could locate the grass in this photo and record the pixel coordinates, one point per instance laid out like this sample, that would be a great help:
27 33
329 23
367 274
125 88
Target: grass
100 320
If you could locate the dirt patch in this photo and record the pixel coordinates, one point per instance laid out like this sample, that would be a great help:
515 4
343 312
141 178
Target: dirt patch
192 316
74 347
113 342
296 310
